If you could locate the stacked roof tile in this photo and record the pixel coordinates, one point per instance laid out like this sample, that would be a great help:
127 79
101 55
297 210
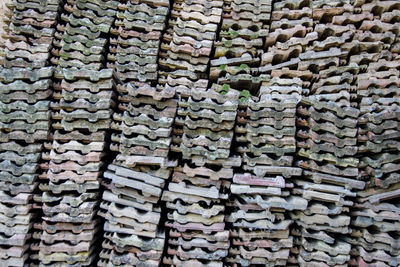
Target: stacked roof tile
199 132
83 103
25 84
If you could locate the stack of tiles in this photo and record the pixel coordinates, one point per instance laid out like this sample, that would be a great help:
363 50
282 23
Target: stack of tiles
375 224
70 198
379 124
82 113
333 29
196 215
132 214
186 47
240 45
290 32
199 187
208 118
146 119
26 86
188 41
3 19
335 23
327 114
82 34
134 50
270 124
378 95
390 15
326 139
260 197
375 217
135 180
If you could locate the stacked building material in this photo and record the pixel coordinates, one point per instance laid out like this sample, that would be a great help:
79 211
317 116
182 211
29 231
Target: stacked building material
70 199
340 37
377 90
82 39
135 180
188 41
240 44
208 118
196 195
290 32
195 202
375 216
3 19
375 223
135 48
186 48
326 139
289 157
26 86
145 122
390 15
202 134
270 127
260 196
82 109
